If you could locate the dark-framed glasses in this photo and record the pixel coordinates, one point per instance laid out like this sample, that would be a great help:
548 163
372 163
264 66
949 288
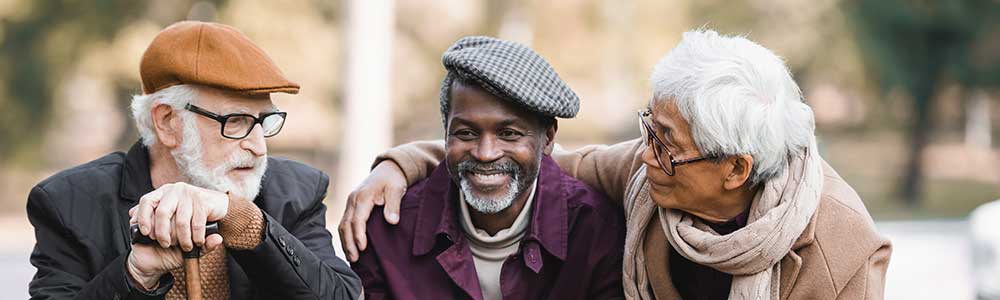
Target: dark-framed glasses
660 148
238 126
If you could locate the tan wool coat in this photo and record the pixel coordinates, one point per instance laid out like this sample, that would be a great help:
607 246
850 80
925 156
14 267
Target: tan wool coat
839 255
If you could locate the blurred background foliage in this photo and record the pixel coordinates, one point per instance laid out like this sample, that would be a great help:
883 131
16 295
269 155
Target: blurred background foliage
904 90
915 45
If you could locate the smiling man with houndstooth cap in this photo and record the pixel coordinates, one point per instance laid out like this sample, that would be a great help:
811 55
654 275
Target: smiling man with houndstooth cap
497 219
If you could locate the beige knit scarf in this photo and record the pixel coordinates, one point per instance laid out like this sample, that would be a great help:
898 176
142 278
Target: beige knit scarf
778 215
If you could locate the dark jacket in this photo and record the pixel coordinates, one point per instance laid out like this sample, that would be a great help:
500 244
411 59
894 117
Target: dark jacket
572 248
81 222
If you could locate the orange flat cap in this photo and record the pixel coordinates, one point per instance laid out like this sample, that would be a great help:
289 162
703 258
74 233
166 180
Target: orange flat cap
210 54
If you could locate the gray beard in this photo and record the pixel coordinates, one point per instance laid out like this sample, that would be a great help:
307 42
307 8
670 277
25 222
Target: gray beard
520 179
488 205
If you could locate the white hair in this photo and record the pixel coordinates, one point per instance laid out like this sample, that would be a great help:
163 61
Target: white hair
142 107
738 97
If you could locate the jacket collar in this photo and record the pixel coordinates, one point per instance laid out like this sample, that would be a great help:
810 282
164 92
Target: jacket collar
135 175
548 225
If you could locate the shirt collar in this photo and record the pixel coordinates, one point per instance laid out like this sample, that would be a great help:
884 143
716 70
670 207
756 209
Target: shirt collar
731 225
548 225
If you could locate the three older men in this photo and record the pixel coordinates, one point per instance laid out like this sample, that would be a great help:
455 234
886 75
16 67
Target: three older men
725 195
203 117
498 219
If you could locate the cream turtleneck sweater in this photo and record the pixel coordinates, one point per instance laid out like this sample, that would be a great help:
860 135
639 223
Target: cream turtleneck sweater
490 252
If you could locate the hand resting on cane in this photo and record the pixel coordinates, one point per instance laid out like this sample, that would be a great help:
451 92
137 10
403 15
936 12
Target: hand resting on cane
174 216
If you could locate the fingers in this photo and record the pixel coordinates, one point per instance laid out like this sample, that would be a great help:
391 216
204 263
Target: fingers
361 213
163 217
390 185
182 224
146 263
175 214
376 190
212 242
144 212
393 197
377 199
198 220
346 234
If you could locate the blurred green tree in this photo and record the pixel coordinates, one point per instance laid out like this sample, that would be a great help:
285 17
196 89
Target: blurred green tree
915 45
44 39
39 44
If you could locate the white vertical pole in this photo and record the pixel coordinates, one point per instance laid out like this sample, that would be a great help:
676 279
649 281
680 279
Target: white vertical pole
977 124
617 105
367 115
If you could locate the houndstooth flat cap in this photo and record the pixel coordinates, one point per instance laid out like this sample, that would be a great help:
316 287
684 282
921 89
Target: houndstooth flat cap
509 70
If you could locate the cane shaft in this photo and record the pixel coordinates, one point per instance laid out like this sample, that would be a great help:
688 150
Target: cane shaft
192 276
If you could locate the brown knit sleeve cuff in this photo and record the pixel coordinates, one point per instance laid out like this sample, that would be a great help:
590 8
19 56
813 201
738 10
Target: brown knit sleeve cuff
243 226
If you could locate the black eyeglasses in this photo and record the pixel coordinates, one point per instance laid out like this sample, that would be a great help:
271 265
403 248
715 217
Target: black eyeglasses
651 140
238 126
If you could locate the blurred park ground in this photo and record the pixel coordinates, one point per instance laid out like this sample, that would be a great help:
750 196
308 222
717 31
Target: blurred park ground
905 91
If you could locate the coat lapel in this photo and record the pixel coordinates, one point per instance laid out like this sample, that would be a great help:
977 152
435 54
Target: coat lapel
134 184
790 266
457 262
239 283
437 218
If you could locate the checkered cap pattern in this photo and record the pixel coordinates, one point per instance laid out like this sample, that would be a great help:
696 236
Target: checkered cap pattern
509 70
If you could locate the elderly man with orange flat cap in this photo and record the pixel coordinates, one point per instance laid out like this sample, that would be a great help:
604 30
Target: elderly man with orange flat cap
203 118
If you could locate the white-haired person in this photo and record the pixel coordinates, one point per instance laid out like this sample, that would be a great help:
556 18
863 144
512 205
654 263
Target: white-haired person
725 195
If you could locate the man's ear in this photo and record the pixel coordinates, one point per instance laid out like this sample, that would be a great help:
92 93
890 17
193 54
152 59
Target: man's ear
167 125
550 136
737 171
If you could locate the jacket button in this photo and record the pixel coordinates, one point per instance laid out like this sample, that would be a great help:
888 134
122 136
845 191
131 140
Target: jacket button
295 261
281 242
291 251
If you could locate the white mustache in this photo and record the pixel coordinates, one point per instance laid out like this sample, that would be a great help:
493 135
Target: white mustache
242 160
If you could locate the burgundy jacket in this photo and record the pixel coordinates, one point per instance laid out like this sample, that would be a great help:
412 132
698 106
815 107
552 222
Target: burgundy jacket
572 248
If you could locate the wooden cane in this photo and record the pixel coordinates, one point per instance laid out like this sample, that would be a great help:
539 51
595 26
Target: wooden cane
192 269
192 273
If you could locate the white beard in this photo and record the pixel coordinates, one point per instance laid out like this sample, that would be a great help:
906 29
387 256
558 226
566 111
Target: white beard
189 161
